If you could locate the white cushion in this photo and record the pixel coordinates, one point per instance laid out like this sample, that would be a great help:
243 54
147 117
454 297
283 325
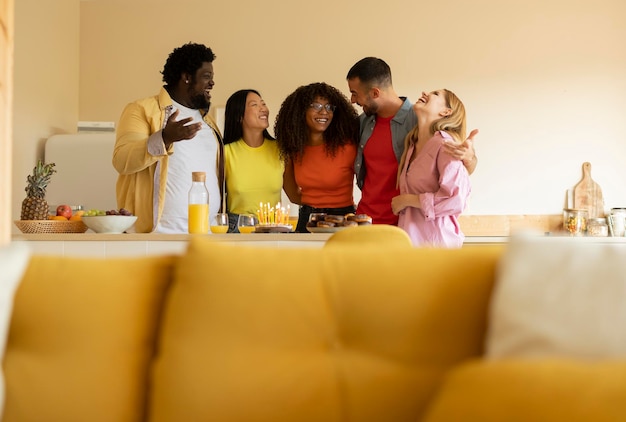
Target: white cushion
561 297
13 260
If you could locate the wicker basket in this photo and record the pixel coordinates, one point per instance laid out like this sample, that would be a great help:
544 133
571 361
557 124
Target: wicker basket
50 226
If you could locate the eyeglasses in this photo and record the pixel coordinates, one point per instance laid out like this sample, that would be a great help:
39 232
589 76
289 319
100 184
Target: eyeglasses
318 107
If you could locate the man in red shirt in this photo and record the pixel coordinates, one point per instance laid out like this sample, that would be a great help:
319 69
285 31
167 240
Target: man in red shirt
386 120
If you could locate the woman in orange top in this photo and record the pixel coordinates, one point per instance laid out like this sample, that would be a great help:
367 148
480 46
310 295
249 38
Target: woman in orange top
316 130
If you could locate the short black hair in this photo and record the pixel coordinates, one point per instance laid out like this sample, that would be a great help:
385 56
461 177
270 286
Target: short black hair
371 71
185 59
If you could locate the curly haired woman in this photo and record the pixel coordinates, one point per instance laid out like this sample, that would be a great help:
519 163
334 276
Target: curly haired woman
316 130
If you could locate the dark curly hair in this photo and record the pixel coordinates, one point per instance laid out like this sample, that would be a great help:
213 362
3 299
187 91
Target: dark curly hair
292 132
185 59
233 116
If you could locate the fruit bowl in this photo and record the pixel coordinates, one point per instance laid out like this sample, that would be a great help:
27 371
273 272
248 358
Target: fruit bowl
109 223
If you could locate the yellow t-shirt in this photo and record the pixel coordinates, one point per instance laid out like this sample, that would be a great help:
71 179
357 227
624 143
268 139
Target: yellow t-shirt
253 176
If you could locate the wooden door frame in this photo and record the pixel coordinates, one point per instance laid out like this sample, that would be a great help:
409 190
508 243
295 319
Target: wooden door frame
6 116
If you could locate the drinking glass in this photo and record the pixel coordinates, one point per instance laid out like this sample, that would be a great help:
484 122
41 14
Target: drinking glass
247 223
221 223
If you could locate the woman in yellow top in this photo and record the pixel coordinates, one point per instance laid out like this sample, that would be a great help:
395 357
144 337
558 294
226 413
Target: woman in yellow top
253 168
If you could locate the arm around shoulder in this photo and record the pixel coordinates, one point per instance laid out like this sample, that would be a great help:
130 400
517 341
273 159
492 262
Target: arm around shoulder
471 163
289 184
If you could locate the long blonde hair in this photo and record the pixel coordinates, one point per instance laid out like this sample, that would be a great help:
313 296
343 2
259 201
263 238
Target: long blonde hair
454 124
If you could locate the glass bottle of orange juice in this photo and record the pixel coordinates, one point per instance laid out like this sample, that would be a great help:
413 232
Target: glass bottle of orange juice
198 217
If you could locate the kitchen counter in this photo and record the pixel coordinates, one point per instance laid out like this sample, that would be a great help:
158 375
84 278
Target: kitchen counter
299 238
133 244
232 237
480 230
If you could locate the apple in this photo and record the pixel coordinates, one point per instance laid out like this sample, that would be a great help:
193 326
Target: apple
64 211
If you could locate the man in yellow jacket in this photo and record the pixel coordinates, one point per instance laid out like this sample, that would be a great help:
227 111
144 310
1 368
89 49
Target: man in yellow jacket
162 139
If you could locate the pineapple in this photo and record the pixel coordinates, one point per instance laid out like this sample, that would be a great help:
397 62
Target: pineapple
35 207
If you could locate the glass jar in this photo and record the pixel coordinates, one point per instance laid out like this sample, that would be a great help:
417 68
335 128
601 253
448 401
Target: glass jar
597 227
575 221
617 221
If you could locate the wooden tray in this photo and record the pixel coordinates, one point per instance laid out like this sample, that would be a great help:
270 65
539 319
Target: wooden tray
50 226
326 229
273 228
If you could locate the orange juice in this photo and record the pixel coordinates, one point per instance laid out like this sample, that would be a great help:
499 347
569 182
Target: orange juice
198 218
246 229
219 229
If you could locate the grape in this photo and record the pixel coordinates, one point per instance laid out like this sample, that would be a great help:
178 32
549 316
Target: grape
96 212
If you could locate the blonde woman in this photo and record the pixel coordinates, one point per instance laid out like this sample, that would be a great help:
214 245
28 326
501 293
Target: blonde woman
434 185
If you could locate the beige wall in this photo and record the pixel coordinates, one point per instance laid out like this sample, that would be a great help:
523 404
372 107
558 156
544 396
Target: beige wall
543 81
45 82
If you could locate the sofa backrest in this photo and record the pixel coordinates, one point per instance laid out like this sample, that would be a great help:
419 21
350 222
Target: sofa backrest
82 338
381 235
336 334
234 333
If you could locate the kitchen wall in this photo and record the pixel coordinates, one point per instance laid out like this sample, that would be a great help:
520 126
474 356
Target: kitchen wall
46 81
543 81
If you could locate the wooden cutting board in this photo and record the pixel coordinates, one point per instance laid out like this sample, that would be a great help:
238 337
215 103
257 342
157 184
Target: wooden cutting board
588 195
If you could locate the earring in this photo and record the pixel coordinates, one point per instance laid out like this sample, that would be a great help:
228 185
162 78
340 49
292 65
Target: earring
186 81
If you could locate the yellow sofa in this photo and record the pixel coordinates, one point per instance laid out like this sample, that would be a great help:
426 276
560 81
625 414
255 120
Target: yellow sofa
231 333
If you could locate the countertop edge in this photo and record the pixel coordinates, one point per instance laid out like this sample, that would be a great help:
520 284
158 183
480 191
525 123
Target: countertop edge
256 237
155 237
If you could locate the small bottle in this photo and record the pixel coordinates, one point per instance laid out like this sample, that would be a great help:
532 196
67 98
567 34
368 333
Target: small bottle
198 217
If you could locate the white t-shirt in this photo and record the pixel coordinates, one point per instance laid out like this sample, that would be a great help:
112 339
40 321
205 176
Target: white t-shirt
196 154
